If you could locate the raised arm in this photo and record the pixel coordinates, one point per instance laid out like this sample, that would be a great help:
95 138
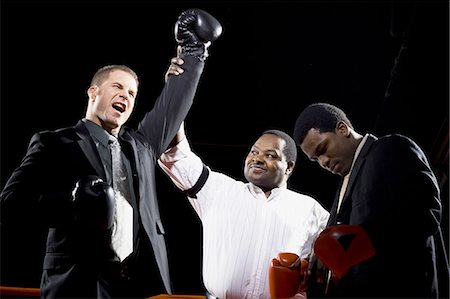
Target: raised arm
195 29
180 163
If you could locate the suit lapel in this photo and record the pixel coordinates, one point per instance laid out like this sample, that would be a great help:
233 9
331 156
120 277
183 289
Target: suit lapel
333 215
129 145
89 149
356 168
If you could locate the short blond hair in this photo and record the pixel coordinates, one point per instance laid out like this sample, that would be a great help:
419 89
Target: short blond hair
103 73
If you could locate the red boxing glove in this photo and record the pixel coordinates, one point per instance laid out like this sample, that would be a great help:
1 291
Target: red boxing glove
339 247
286 275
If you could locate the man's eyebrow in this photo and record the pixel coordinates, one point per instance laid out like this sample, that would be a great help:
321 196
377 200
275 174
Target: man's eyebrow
271 150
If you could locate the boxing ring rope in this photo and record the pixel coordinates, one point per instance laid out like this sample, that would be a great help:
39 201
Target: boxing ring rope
18 291
35 293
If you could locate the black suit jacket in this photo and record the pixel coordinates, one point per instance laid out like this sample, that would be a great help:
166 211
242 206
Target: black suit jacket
56 160
393 193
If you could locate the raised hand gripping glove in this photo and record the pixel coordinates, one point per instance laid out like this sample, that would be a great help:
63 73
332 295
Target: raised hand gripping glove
339 247
93 204
287 275
195 29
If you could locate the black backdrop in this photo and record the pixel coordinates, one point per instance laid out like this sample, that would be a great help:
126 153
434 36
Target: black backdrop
273 59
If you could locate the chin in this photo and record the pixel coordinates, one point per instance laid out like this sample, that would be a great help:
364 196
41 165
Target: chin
117 123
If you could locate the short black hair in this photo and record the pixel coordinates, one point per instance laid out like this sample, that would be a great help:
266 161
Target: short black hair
321 116
290 150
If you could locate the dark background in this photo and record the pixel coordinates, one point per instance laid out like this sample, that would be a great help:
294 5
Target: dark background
384 62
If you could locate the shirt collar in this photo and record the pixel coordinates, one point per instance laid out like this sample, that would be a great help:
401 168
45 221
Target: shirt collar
358 150
256 191
97 132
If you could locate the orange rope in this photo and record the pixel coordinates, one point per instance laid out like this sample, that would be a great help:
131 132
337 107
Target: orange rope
16 291
35 292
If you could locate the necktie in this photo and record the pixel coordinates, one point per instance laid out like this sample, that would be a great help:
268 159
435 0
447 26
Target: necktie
122 234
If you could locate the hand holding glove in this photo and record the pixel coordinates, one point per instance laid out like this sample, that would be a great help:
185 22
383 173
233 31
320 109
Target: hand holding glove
195 29
93 203
287 275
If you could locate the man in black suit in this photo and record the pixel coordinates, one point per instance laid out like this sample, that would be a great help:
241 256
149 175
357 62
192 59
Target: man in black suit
82 261
389 190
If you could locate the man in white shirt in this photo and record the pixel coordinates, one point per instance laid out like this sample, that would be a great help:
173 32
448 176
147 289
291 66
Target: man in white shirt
246 225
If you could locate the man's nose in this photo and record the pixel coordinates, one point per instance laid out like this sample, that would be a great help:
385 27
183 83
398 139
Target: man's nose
257 158
124 95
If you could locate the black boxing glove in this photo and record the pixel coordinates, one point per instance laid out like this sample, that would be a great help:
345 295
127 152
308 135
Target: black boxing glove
93 203
195 29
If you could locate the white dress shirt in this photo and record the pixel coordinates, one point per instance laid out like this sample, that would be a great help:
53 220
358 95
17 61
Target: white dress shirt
242 228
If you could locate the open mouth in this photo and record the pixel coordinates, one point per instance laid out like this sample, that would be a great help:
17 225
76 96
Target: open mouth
119 107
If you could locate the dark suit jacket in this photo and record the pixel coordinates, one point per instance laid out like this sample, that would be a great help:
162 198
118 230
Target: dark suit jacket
56 160
394 195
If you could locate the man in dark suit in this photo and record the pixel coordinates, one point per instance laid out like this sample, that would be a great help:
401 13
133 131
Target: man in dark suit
389 190
83 261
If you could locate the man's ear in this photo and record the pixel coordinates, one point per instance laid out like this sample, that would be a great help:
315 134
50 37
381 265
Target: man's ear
92 92
290 167
343 129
